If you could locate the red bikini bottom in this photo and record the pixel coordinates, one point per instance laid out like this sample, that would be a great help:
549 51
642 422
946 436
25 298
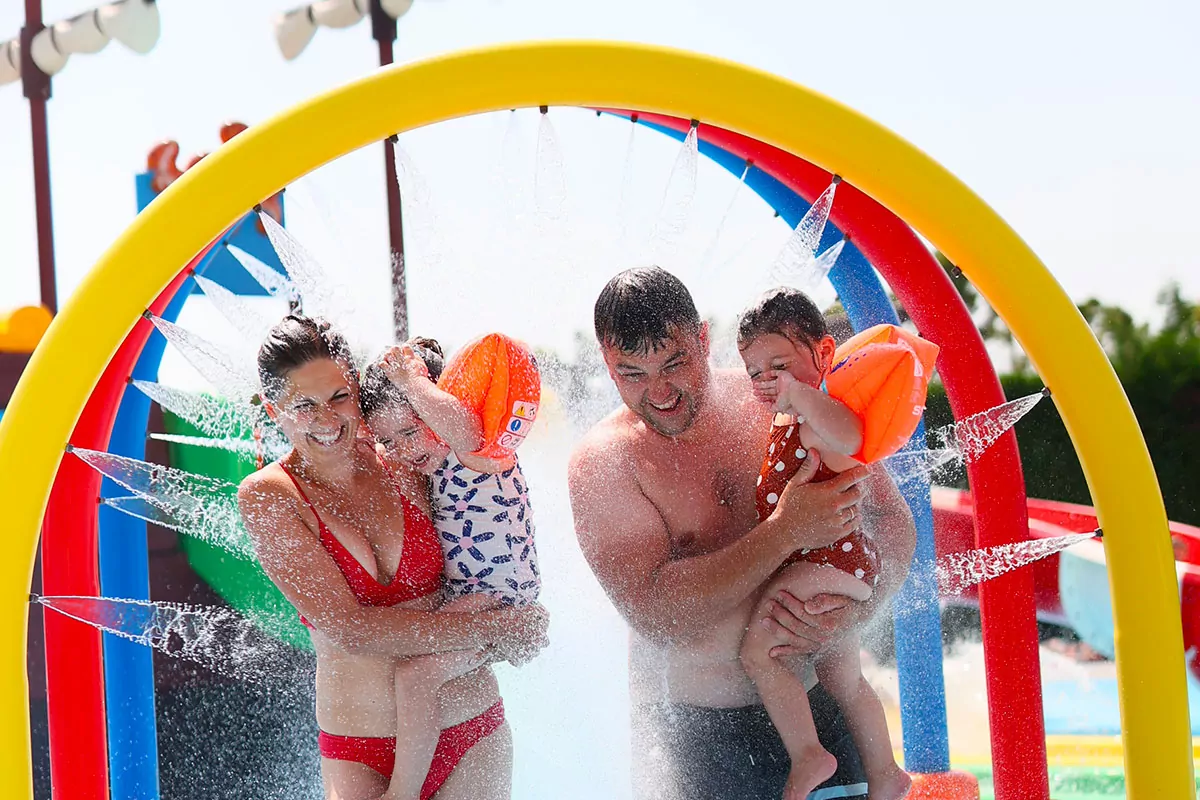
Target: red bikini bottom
379 752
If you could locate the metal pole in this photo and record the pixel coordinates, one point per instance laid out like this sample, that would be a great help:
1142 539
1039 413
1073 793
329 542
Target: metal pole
383 30
36 85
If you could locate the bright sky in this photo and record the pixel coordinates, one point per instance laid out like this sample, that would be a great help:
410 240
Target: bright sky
1077 121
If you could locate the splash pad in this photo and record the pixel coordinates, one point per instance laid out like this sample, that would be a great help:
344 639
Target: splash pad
79 345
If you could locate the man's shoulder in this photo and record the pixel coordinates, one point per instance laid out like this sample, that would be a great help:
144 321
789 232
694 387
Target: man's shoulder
611 439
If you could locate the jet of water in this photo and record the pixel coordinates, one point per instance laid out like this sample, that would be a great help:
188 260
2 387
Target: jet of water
217 638
550 177
626 196
248 322
269 447
277 285
229 373
957 572
214 417
975 434
677 199
910 465
235 540
711 250
321 295
203 507
796 264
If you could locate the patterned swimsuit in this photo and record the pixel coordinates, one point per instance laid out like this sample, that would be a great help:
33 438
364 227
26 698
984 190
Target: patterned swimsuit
854 554
485 525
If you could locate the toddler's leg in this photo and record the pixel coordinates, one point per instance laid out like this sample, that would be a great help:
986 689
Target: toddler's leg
839 668
417 683
783 693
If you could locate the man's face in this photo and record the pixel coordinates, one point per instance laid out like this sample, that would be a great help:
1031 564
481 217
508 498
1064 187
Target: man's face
665 385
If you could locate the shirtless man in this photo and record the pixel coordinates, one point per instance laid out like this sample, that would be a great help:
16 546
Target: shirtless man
662 492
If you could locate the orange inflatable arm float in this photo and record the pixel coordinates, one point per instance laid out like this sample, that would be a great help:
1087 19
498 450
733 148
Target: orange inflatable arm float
497 378
882 375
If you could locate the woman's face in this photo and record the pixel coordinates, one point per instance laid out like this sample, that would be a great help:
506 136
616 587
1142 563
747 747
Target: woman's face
318 410
407 442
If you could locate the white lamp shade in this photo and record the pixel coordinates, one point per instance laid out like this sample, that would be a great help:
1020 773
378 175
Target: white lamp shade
338 13
133 23
81 34
396 8
10 61
46 54
293 31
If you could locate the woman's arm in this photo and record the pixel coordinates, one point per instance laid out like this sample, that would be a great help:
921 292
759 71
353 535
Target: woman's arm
294 560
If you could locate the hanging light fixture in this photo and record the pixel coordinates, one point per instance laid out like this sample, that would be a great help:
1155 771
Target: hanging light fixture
133 23
295 29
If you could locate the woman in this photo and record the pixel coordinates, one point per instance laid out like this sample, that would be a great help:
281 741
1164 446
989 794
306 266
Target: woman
350 544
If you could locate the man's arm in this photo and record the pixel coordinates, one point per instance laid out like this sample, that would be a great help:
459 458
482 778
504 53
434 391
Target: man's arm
627 544
805 627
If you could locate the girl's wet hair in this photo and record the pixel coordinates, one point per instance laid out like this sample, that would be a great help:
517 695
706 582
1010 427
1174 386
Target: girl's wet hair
377 390
293 342
784 311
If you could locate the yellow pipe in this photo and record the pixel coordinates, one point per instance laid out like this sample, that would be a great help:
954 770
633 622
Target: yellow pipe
267 157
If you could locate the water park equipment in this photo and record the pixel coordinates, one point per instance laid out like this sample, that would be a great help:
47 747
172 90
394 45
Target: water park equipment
51 394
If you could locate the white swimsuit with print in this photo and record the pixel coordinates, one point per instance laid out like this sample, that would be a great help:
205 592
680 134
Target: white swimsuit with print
485 525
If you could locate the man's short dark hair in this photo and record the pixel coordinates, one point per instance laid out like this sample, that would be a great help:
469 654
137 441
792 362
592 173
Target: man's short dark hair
641 308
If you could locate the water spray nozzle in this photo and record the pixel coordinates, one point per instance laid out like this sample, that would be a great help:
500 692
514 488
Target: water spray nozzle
394 138
258 209
544 109
34 597
148 315
1098 534
633 117
695 123
835 180
956 272
1045 391
70 448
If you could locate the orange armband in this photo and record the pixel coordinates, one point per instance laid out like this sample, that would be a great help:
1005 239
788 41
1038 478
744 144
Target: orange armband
882 375
497 378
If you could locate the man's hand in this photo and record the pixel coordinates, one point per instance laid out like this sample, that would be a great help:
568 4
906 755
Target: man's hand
818 514
525 634
805 627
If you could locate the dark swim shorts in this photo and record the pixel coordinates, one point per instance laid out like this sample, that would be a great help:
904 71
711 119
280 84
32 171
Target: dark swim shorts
691 753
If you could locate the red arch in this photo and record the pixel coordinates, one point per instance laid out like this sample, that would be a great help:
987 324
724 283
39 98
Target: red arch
70 566
927 293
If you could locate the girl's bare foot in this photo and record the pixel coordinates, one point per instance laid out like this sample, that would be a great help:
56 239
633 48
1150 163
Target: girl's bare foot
810 768
892 784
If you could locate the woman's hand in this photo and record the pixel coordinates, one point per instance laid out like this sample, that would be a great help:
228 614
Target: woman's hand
524 634
402 365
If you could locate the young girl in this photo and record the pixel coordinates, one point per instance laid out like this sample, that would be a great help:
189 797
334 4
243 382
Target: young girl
788 354
462 432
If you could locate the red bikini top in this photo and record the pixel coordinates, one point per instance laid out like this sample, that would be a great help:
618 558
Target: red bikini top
418 574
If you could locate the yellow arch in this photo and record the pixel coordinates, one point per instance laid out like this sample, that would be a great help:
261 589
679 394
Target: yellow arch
268 157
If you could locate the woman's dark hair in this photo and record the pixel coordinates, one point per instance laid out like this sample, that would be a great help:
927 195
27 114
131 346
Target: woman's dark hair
641 308
377 390
784 311
292 343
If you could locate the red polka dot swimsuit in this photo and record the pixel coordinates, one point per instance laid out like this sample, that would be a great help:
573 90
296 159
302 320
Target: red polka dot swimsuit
854 554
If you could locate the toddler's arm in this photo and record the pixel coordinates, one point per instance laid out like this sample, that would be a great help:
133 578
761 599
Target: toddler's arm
453 422
838 426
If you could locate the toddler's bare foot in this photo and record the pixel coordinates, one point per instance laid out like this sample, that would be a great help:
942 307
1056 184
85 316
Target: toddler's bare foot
892 784
810 768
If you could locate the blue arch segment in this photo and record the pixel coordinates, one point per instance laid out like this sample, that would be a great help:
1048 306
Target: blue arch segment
124 560
918 626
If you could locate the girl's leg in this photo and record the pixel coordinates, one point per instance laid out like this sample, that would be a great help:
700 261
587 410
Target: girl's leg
417 683
485 772
839 668
783 693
